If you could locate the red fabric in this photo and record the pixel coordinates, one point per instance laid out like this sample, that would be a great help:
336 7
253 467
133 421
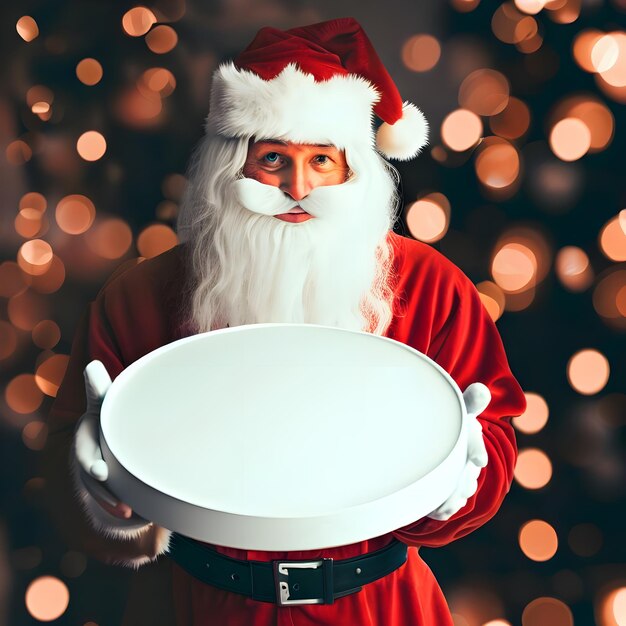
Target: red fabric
439 313
327 49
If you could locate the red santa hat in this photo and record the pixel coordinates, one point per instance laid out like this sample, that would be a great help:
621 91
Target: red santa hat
315 84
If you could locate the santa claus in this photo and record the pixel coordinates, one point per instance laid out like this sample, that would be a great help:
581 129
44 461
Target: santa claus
288 218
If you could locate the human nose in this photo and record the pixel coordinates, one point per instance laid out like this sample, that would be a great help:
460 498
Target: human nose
298 182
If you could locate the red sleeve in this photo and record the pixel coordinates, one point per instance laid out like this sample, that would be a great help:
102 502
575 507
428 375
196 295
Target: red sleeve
468 346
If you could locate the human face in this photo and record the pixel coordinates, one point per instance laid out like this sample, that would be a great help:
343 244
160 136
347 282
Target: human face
296 169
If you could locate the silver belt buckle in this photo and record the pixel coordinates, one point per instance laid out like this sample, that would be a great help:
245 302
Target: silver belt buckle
284 587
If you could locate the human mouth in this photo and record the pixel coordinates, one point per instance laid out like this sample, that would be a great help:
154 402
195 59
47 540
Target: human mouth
295 216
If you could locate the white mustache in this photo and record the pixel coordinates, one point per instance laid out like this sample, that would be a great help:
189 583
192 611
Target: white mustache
269 200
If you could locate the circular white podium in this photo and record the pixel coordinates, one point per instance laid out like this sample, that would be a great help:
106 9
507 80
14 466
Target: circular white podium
283 437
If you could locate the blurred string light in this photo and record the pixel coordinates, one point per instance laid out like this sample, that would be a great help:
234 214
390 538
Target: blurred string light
161 39
613 240
585 539
110 238
492 297
611 607
461 130
428 218
513 121
497 622
22 394
533 469
18 152
47 598
609 297
89 71
50 374
156 239
34 435
464 6
157 80
546 610
46 334
535 417
538 540
35 257
588 371
91 145
27 28
138 21
421 53
75 214
573 268
570 139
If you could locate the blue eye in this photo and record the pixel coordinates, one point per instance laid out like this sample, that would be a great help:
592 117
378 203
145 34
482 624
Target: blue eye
271 157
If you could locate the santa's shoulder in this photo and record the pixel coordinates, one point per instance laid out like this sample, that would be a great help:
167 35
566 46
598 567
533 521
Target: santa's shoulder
153 275
416 261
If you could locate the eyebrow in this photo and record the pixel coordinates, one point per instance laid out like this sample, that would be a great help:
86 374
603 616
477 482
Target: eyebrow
280 142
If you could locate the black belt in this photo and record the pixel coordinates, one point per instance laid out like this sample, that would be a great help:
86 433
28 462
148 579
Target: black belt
319 581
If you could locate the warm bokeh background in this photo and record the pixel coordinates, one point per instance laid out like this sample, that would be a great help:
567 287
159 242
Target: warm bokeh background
523 186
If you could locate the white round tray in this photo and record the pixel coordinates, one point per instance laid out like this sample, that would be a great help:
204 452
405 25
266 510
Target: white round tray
283 437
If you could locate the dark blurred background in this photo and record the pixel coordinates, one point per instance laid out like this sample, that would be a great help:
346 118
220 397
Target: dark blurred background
522 186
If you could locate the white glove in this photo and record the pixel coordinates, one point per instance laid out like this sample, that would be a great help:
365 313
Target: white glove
476 398
90 471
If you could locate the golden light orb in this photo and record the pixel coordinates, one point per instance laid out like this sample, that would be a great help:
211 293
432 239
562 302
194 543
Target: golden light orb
533 469
75 214
162 39
461 130
546 610
535 417
421 53
492 297
497 164
91 145
573 268
156 239
47 598
588 371
570 139
514 267
89 71
427 219
613 240
485 92
27 28
538 540
138 21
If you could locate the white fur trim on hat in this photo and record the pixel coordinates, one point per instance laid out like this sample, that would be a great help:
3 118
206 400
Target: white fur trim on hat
404 139
292 106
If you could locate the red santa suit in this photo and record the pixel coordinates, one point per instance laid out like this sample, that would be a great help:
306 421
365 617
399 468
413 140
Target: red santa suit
437 311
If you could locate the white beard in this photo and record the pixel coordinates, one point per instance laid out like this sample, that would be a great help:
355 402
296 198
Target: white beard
331 270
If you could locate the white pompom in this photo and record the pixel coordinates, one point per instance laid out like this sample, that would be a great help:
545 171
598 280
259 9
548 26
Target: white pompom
404 139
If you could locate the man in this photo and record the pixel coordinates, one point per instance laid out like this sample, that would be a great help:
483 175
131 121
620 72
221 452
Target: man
287 219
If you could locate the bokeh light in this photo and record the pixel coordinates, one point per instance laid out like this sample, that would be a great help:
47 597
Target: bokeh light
34 435
428 218
573 268
497 164
27 28
89 71
22 394
611 607
75 214
570 139
138 21
588 371
585 539
47 598
613 240
8 340
46 334
461 130
513 121
12 279
610 61
535 417
33 200
26 309
485 92
538 540
110 238
35 256
607 295
29 223
421 53
161 39
157 80
91 145
533 469
514 267
497 622
584 42
52 279
18 152
545 610
139 108
464 6
532 7
156 239
492 297
50 374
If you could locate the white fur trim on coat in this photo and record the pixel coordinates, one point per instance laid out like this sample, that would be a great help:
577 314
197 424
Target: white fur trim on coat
292 106
115 527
